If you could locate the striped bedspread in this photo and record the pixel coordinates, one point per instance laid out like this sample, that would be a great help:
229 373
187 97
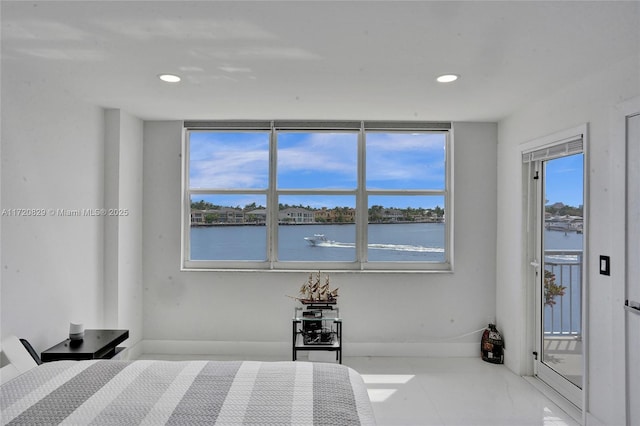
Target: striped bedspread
186 393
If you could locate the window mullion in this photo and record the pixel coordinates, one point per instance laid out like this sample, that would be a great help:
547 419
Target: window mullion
272 200
362 219
314 191
448 199
186 210
440 192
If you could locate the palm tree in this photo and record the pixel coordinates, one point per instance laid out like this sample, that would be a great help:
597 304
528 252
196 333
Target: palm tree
551 289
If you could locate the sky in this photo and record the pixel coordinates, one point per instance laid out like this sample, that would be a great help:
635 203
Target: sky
564 181
314 160
318 160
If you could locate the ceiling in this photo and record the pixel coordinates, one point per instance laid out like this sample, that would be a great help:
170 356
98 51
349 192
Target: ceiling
313 59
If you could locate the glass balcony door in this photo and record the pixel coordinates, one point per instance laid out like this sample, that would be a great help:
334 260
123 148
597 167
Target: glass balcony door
555 218
561 279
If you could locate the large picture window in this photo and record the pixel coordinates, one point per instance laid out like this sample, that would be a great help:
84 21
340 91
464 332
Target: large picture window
317 195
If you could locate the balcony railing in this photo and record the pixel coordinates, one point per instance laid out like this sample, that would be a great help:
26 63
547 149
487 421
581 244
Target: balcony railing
564 318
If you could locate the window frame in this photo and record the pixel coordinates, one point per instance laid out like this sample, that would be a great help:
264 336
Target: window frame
273 194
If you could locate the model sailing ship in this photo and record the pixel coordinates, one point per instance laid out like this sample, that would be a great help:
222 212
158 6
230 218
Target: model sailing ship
313 292
321 313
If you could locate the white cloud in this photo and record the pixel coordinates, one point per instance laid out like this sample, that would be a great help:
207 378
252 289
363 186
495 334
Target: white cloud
227 169
217 161
320 153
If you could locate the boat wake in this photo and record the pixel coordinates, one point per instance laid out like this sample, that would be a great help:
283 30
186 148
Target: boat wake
406 247
394 247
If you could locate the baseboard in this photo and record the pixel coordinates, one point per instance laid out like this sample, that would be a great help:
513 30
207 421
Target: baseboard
414 349
209 347
283 349
132 352
592 420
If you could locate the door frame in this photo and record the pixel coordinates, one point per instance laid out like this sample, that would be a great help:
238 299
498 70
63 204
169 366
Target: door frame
619 115
531 236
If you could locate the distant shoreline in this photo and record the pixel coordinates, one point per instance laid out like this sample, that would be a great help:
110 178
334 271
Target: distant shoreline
208 225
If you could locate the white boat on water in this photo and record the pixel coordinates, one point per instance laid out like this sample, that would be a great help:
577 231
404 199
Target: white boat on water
318 240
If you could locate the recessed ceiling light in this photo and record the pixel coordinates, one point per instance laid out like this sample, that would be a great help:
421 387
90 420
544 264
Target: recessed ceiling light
447 78
169 78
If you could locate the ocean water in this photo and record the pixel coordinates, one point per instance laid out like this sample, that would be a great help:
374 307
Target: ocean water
387 242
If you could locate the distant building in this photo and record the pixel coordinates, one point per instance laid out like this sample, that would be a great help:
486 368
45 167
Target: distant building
392 215
564 223
197 216
256 216
296 215
223 215
337 214
229 215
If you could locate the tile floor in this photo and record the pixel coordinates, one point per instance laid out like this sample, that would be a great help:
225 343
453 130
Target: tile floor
443 391
453 391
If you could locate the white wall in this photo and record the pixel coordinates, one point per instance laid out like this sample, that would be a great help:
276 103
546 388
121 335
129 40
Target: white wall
123 224
589 100
425 311
59 153
52 158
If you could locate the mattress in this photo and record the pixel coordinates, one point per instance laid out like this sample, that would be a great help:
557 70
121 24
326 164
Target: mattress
106 392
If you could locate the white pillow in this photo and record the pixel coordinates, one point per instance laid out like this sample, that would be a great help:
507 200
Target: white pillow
19 360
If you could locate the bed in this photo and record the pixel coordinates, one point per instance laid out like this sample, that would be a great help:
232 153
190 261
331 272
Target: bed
155 392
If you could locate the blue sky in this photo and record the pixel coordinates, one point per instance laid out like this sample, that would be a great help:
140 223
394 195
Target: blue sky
313 160
564 181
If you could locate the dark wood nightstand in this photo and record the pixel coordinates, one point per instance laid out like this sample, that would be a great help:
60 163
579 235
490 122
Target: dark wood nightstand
97 344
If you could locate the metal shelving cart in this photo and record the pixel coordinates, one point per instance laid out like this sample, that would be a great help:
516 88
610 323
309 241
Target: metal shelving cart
317 327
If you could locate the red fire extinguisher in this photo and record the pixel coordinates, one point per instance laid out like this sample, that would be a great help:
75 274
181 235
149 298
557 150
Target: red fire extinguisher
492 345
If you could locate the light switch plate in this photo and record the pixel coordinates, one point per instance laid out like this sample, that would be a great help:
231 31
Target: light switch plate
605 265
